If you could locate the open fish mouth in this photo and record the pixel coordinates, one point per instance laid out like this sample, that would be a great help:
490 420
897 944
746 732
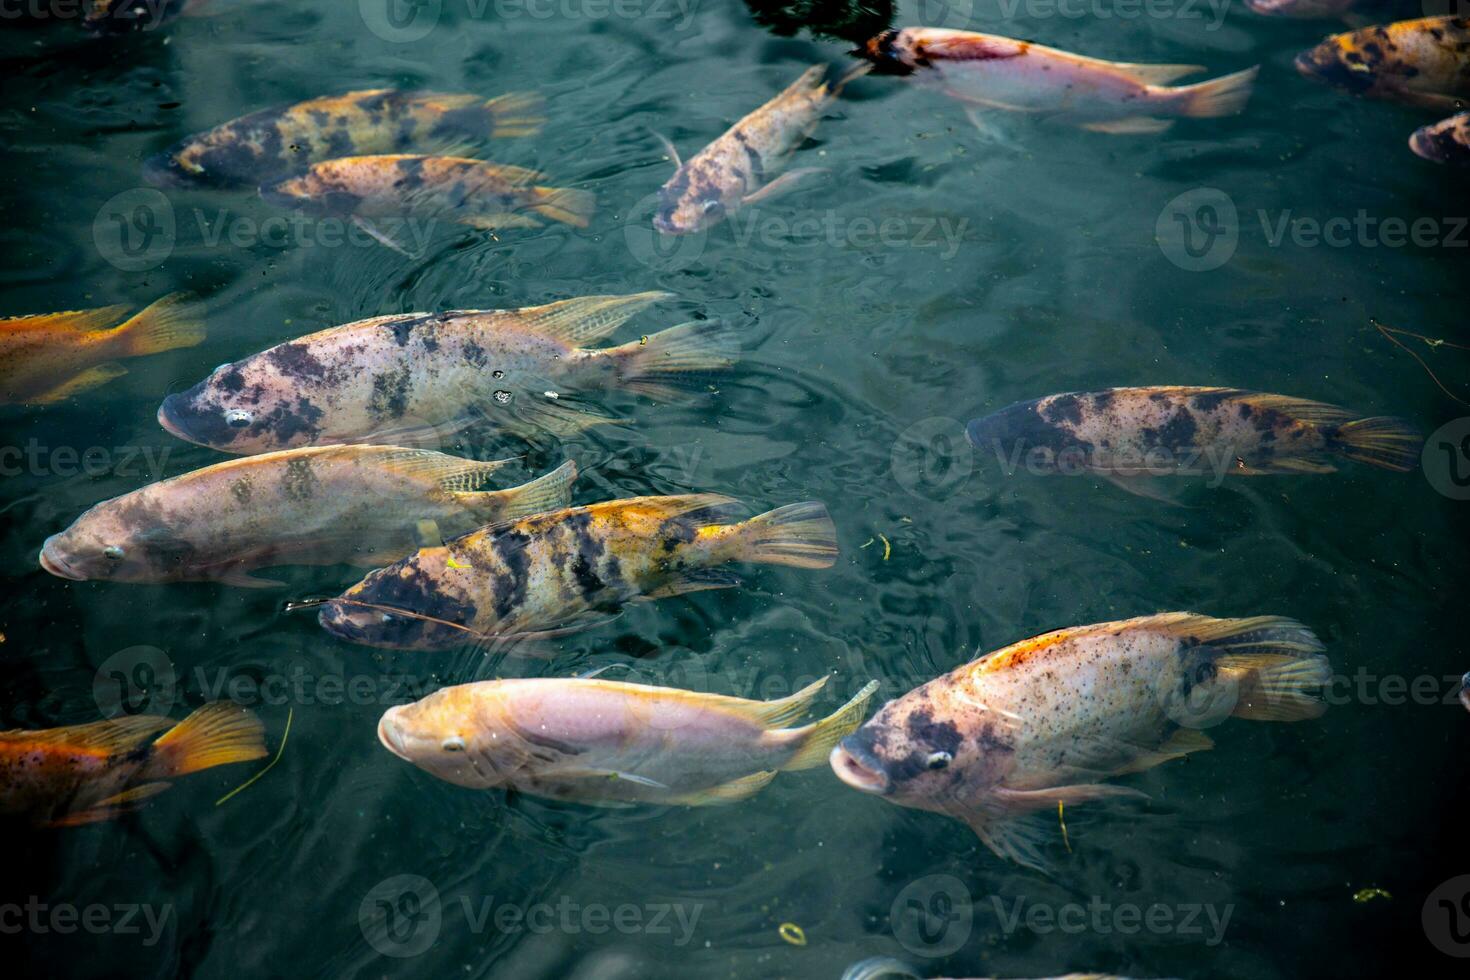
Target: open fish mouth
56 565
860 774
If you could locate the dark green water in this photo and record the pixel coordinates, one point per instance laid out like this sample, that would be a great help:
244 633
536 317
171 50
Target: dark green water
865 351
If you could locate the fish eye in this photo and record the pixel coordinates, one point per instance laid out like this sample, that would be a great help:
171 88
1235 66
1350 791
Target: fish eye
113 553
938 760
238 418
712 206
454 744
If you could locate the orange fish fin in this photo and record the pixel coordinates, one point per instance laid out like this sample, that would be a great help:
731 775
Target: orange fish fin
1155 74
451 474
516 114
166 324
215 735
1223 96
732 792
1385 442
1141 125
800 535
114 806
80 320
1273 687
819 738
568 205
550 492
579 321
665 365
771 714
1255 634
112 735
91 378
1301 409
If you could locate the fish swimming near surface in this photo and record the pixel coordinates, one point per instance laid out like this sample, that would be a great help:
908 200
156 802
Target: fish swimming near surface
1042 722
81 774
987 71
1127 435
406 377
466 192
360 505
571 569
744 166
1447 141
268 145
1349 10
610 743
1424 62
49 357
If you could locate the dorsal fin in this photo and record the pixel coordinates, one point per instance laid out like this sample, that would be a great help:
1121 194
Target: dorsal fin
79 320
110 735
451 473
775 714
585 318
1155 74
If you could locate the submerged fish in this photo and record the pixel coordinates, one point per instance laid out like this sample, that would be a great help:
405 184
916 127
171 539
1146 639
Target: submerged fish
884 967
1042 722
65 777
742 166
466 192
605 742
571 569
1447 141
357 505
49 357
1422 62
406 377
1126 435
274 143
993 72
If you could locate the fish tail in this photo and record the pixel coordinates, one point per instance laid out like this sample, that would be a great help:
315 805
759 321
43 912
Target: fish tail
166 324
1380 441
516 114
1270 659
818 739
1223 96
665 364
565 204
550 492
217 734
800 535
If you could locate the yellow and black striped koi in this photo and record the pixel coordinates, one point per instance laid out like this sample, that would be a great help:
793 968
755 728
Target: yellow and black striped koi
1423 62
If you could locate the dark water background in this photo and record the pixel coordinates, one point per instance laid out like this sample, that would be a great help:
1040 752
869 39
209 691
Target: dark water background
853 347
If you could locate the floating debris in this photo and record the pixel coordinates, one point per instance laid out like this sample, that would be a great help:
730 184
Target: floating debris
792 933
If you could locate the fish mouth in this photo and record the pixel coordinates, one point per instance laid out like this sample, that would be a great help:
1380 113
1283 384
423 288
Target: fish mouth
390 736
168 418
859 773
52 562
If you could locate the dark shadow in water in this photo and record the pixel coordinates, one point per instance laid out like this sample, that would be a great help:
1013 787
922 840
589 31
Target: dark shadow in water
849 20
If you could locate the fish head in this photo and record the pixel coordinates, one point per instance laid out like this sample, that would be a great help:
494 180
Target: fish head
257 405
107 542
893 52
692 202
915 754
1339 62
454 734
1447 141
405 606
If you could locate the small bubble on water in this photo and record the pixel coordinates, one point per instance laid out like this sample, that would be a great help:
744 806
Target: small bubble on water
503 397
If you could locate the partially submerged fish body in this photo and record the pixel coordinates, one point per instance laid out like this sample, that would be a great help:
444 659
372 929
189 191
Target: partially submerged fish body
274 143
49 357
745 164
993 72
571 569
1318 9
605 742
1128 433
405 378
1422 62
1043 722
464 191
1447 141
358 505
83 774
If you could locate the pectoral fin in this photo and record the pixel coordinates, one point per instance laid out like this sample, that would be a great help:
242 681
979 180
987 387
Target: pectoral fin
1140 125
114 806
87 380
380 236
493 222
1143 486
732 792
695 580
783 184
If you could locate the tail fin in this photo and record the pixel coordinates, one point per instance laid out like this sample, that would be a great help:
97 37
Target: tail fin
1382 441
217 734
564 204
665 364
800 535
818 738
1271 686
550 492
516 114
166 324
1224 96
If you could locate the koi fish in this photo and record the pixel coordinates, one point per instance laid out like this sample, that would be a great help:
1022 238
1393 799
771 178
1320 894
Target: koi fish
268 145
467 192
742 166
355 505
993 72
571 569
1127 435
49 357
609 743
1424 62
405 377
1447 141
81 774
1041 722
